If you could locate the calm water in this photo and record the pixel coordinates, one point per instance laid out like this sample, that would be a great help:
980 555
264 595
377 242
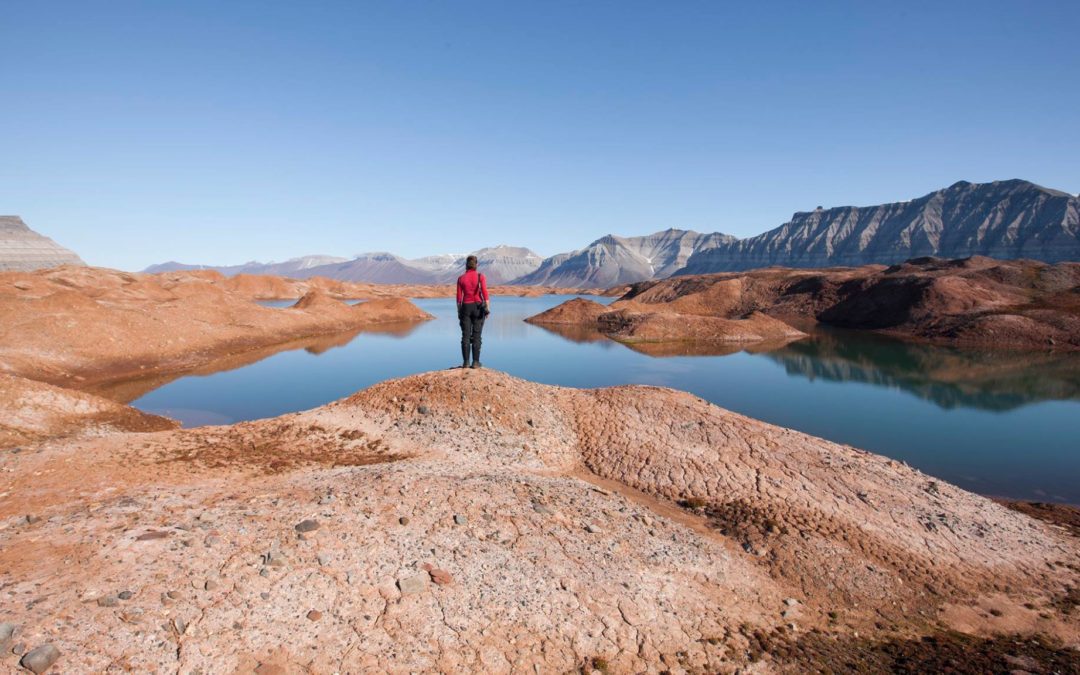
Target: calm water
999 424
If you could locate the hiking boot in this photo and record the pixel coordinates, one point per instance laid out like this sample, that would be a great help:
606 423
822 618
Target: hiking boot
476 364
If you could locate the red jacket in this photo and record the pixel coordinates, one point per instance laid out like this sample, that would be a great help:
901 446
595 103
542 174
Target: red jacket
472 287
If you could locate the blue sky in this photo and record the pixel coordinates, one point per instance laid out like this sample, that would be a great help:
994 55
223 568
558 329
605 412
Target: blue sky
137 132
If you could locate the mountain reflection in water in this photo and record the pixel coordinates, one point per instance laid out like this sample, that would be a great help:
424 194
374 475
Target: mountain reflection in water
951 378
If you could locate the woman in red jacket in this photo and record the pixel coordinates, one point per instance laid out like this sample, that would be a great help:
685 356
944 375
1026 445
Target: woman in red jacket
472 309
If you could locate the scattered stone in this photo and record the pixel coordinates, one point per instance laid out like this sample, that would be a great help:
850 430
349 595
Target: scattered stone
264 595
592 529
423 410
108 601
326 499
40 659
173 595
152 534
404 520
19 649
31 519
125 595
440 576
212 540
416 583
314 615
324 559
542 509
210 585
179 625
460 520
791 602
307 526
7 633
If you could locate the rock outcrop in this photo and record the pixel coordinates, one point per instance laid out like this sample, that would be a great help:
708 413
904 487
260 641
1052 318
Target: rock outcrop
631 529
22 249
1015 304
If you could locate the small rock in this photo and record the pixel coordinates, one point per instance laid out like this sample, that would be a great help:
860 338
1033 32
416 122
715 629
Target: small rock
416 583
264 572
404 520
212 540
791 602
151 535
179 625
326 499
31 519
7 633
39 660
19 649
314 615
210 585
125 595
108 601
440 576
324 559
542 509
307 526
423 410
460 520
173 595
592 529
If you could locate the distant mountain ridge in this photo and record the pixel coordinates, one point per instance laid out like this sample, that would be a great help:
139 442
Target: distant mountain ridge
1002 219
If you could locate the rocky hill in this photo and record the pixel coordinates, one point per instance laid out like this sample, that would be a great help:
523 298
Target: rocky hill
22 249
1004 219
614 260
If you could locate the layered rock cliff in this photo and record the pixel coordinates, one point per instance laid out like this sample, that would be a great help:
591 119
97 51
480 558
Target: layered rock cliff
1003 219
22 249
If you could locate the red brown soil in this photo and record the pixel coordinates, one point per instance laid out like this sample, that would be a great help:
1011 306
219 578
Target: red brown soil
635 529
78 326
1019 304
661 324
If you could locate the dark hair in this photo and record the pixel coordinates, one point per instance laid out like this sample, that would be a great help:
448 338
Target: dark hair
470 262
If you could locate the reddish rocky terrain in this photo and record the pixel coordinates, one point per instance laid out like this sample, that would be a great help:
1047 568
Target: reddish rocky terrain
631 529
623 530
1017 304
78 325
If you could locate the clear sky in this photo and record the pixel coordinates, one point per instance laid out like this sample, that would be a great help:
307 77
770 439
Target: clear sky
220 132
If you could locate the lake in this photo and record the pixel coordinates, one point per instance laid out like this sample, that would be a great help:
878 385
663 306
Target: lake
1004 424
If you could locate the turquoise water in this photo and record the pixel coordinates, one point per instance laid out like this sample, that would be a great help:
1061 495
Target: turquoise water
996 423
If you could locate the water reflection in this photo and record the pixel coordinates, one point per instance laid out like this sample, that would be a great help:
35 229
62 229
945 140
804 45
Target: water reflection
950 378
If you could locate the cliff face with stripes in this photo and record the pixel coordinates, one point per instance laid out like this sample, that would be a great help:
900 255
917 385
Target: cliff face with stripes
1004 219
22 249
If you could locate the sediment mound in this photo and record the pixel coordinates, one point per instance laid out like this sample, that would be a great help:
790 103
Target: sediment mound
32 411
23 249
574 312
631 326
1015 304
390 310
81 325
467 520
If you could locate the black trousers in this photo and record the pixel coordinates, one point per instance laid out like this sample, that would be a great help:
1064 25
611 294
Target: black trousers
471 317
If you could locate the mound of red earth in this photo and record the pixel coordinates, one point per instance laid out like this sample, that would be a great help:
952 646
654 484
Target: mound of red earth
467 520
1018 304
78 325
640 323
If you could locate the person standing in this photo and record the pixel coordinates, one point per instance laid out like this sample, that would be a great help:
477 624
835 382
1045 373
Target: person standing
472 305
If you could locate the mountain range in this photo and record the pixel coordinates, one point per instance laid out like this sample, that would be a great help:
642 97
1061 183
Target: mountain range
1002 219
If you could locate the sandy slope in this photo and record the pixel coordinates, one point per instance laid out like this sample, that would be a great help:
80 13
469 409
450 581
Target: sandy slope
550 519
